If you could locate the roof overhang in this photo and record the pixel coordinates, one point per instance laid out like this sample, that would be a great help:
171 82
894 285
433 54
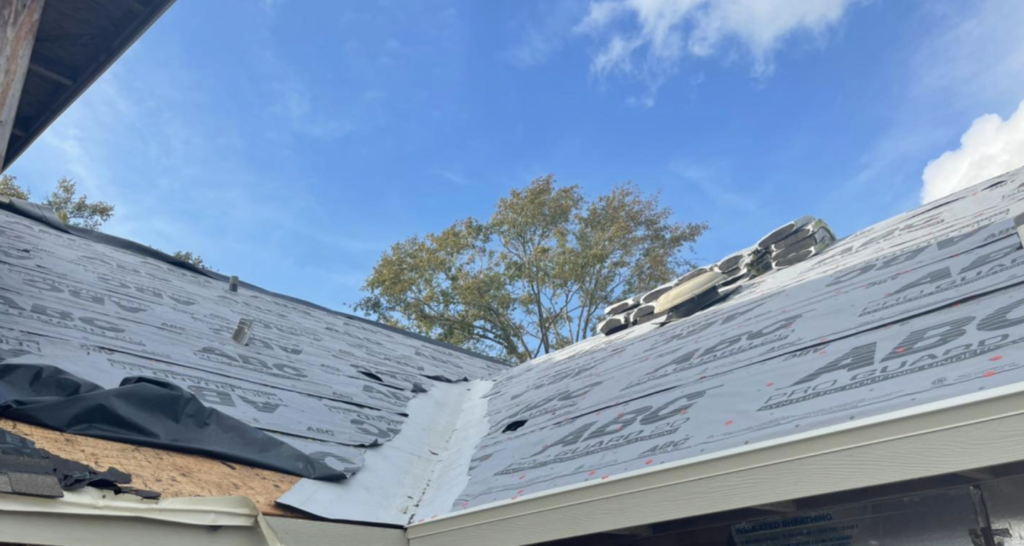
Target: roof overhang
77 40
946 437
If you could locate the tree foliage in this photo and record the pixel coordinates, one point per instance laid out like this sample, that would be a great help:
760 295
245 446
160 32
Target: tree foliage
534 277
71 208
193 259
9 187
77 210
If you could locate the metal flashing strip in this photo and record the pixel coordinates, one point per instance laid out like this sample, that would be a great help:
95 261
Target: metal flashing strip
954 435
391 486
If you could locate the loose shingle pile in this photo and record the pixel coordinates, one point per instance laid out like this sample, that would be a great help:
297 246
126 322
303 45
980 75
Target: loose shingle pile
28 470
787 245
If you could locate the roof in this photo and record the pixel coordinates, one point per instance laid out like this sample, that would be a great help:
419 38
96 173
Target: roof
913 310
328 384
76 42
899 337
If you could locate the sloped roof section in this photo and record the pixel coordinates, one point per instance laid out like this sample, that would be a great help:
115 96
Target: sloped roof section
329 384
923 307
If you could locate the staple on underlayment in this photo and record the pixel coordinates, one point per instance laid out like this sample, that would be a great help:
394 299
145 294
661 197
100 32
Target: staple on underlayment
242 332
233 283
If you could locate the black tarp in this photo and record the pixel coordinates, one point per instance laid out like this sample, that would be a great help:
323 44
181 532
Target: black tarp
148 412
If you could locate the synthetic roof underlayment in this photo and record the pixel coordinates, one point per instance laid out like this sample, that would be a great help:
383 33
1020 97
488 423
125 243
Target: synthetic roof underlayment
327 384
925 307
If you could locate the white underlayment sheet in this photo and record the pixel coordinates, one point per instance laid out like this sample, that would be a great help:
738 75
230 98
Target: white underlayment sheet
437 439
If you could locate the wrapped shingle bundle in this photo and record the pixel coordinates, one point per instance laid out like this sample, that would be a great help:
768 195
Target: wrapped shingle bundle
621 307
653 295
802 244
644 313
734 265
760 262
695 289
611 325
789 244
784 231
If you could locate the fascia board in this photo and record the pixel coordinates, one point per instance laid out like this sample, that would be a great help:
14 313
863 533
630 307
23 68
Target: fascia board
59 529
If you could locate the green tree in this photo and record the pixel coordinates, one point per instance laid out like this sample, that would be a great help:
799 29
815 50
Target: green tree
535 276
193 259
9 187
71 208
76 210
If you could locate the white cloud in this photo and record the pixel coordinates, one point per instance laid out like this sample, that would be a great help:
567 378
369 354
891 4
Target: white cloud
304 116
967 60
533 49
541 33
600 15
454 177
712 179
992 146
648 39
970 56
270 5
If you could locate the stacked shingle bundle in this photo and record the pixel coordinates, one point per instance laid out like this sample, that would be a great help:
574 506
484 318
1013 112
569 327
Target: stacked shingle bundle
787 245
793 243
619 316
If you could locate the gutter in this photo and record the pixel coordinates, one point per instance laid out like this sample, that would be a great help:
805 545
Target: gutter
74 518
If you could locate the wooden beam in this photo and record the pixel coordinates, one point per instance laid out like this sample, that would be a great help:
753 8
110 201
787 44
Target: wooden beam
50 74
19 21
136 6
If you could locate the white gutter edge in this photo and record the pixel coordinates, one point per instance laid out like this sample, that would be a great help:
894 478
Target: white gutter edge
963 428
91 502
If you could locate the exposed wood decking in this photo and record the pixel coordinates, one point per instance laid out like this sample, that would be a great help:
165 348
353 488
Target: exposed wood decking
172 474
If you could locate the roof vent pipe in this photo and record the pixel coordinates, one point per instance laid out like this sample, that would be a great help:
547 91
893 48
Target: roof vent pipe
233 284
242 332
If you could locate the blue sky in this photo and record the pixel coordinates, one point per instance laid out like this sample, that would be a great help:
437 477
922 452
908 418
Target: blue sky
291 141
